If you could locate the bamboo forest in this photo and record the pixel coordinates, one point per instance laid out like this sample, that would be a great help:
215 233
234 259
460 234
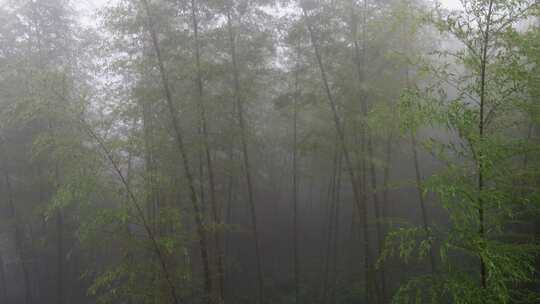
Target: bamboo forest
269 151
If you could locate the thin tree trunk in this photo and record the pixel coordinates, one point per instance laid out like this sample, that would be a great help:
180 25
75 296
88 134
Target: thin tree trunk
128 180
330 216
18 234
360 61
139 212
373 283
386 179
247 167
341 137
231 183
419 178
376 208
36 291
352 241
3 287
152 192
421 199
201 161
530 132
295 223
40 259
185 161
227 238
480 155
150 168
336 232
60 256
295 187
207 153
37 28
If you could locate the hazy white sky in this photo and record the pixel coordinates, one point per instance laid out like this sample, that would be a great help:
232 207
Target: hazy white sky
87 7
452 4
93 4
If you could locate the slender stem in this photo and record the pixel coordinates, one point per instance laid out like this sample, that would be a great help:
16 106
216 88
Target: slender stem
367 142
207 153
421 199
386 178
336 229
480 155
295 184
247 166
203 247
19 234
3 287
341 137
139 211
330 226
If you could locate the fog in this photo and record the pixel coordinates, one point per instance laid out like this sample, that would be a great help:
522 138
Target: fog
332 152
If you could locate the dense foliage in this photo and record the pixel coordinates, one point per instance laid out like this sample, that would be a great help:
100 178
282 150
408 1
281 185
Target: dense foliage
234 151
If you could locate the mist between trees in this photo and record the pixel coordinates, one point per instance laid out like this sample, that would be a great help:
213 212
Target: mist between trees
234 151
